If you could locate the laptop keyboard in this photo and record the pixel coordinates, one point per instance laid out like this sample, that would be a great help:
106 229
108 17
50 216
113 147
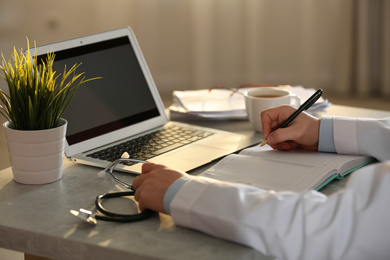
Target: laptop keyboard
151 145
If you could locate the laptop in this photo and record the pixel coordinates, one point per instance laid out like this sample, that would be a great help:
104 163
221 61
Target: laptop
124 107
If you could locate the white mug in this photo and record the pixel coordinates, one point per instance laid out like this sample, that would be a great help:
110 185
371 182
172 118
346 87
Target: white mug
259 99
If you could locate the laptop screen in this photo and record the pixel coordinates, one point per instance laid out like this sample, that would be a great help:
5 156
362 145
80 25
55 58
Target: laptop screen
121 97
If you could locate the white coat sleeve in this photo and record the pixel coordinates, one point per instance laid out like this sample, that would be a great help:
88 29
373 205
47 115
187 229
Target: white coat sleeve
351 224
362 136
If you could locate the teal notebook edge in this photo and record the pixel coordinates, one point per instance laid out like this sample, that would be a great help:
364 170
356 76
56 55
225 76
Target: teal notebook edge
342 175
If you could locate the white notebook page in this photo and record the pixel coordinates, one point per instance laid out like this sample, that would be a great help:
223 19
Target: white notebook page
277 170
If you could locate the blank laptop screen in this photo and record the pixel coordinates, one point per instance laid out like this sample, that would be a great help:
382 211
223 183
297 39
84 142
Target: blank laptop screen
121 97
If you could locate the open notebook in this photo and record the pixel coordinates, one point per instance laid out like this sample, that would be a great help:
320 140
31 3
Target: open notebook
296 170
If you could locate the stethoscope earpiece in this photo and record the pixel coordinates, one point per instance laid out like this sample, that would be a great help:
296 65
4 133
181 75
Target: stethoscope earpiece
101 174
85 215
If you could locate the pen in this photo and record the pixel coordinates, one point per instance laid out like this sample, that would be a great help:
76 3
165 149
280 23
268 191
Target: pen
308 103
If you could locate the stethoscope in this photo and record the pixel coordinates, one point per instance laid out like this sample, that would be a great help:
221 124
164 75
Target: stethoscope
91 218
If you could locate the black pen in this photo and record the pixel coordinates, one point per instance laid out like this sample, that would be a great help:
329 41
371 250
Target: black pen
308 103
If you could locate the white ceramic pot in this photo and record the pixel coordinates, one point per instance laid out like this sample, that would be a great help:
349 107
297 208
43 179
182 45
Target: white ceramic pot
36 156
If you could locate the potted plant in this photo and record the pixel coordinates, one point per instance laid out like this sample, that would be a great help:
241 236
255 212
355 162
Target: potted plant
35 131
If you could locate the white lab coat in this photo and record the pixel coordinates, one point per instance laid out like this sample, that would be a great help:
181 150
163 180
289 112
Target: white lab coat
353 223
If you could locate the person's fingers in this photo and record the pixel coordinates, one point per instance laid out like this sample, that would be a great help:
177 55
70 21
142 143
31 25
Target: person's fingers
272 118
147 167
137 181
138 185
138 197
286 146
281 135
150 194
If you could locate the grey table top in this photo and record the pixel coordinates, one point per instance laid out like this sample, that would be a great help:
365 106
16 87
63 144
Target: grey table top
36 219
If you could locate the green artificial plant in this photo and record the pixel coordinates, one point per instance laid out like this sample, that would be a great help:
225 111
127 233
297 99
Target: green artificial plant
37 96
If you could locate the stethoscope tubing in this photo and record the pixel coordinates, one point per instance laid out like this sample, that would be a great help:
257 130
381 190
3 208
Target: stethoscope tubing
108 215
117 217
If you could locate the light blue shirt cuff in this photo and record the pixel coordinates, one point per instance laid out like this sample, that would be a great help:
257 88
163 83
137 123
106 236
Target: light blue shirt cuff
171 192
326 136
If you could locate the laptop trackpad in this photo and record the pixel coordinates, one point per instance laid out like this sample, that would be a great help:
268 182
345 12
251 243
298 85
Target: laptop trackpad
190 157
199 153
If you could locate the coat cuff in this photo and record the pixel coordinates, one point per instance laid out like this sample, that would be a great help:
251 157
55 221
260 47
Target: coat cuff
186 197
345 135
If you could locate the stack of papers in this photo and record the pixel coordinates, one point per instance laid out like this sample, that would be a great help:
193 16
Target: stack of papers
220 104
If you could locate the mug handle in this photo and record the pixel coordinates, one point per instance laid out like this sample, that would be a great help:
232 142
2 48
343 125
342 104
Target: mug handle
297 100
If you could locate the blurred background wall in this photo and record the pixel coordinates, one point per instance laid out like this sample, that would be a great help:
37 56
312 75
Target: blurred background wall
342 46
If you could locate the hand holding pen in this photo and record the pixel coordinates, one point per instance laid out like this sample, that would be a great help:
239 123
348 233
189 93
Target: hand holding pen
284 130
